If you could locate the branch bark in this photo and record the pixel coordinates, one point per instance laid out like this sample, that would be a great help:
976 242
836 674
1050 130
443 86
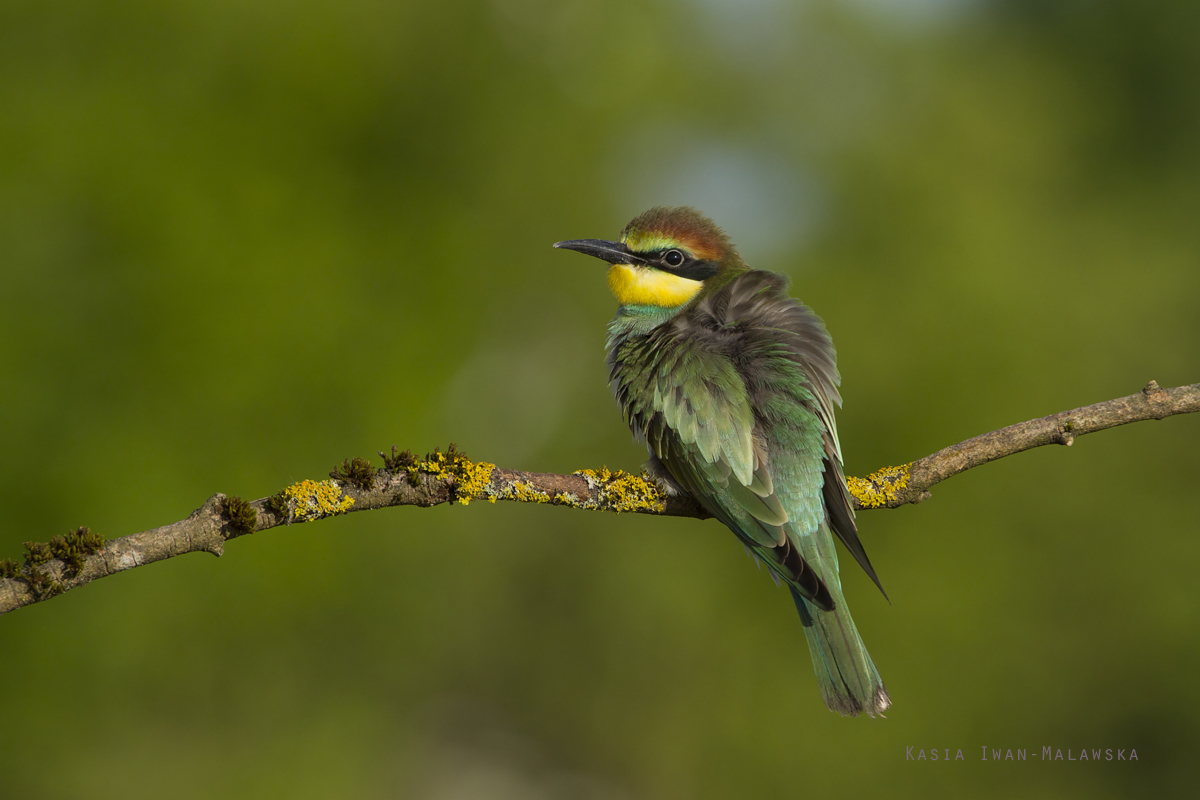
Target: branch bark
67 563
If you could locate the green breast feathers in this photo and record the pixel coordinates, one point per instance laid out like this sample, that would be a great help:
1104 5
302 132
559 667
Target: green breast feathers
734 395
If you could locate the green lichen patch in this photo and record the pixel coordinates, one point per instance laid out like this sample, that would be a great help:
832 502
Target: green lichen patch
37 553
397 461
620 491
76 546
71 549
309 500
240 514
41 584
880 488
277 503
355 471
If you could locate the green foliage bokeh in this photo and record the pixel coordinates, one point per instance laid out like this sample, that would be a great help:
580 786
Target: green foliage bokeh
240 242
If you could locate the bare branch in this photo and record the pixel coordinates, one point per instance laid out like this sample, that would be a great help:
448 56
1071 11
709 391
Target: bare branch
896 486
451 477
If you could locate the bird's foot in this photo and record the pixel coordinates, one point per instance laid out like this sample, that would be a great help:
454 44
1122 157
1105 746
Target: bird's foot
654 471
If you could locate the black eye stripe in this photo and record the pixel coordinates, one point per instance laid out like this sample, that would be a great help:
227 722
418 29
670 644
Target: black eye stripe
681 263
696 270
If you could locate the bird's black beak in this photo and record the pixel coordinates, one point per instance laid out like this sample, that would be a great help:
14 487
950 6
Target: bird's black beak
610 252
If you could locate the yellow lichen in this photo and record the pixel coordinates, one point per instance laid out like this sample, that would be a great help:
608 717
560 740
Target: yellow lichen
619 491
879 488
309 500
570 500
472 479
593 476
523 493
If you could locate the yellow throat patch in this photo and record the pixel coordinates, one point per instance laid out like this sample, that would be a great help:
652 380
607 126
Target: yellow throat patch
643 286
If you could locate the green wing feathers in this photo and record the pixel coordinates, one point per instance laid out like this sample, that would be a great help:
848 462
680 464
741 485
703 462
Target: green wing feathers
735 398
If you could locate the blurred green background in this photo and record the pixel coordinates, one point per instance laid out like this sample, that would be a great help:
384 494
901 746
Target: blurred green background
243 241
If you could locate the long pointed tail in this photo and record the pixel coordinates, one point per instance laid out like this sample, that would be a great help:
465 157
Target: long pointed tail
849 681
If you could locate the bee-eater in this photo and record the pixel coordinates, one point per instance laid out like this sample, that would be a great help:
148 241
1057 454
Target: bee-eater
731 384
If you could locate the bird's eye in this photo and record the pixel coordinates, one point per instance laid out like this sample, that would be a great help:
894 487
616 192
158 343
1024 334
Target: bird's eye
672 258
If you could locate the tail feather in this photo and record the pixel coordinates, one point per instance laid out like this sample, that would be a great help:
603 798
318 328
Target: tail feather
849 681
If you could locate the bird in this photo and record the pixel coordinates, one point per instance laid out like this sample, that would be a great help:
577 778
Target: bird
731 385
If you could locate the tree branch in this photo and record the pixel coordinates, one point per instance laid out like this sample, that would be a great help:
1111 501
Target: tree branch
896 486
81 557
